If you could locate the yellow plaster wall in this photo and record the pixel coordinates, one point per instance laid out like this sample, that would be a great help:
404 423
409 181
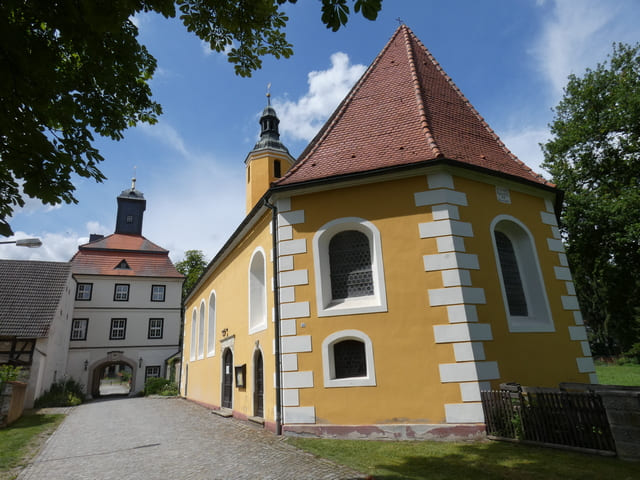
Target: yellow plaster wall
406 356
230 282
260 173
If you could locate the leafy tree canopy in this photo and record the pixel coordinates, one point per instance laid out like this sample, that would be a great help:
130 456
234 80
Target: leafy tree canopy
193 265
594 156
74 68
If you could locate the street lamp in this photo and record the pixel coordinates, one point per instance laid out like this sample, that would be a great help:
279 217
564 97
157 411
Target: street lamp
25 242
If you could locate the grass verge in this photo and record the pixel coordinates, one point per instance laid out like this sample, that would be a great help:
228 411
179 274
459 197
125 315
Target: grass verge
487 460
20 442
611 374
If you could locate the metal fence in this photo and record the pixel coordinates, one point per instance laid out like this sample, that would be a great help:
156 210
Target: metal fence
576 420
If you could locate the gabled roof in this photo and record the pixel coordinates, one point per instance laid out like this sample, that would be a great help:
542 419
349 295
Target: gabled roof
105 255
30 293
404 110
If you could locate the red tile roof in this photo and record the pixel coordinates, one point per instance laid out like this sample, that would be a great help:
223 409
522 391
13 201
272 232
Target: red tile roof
144 258
404 110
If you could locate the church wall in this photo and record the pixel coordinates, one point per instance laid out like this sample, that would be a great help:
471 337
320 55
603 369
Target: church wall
444 334
230 282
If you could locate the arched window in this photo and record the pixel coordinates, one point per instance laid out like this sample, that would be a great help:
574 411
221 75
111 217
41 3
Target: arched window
521 280
201 332
350 265
349 270
257 292
192 347
347 359
211 337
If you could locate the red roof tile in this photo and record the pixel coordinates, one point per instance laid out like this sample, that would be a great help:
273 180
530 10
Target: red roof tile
404 110
144 258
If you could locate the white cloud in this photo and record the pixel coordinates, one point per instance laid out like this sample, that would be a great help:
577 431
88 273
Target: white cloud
166 134
524 144
207 50
56 246
303 118
578 35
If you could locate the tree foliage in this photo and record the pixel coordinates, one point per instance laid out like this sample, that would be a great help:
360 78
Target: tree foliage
71 69
193 265
594 156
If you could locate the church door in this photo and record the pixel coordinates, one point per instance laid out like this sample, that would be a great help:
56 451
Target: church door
227 379
258 385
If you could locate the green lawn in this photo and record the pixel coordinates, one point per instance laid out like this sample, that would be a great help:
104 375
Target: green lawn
21 441
611 374
485 460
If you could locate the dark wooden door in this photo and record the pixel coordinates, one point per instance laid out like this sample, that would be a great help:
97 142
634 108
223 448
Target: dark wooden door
227 379
258 386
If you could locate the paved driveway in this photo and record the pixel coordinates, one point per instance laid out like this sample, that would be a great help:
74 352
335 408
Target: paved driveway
152 438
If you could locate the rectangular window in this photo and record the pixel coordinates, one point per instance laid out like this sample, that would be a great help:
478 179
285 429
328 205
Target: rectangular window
118 329
83 291
157 293
277 171
79 328
155 327
152 371
121 292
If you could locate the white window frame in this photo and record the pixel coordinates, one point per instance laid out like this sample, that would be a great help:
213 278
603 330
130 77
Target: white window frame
538 318
118 328
194 324
326 305
121 292
79 326
328 362
211 337
84 291
257 294
155 328
154 368
158 289
201 331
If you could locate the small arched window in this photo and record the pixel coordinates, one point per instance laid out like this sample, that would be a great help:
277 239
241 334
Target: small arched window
211 337
347 358
257 292
349 269
201 332
192 347
520 276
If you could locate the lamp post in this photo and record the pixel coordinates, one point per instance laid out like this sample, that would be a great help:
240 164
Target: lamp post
25 242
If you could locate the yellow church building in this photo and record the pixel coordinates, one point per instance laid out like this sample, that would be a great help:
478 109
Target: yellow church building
404 262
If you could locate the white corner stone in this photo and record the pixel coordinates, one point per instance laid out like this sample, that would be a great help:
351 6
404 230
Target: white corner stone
288 327
548 219
292 247
294 310
440 180
290 398
433 197
578 333
462 332
464 413
441 228
450 244
297 379
569 302
585 364
445 212
462 313
455 278
299 415
456 295
295 344
468 351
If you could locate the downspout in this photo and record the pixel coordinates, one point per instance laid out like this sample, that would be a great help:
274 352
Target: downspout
276 302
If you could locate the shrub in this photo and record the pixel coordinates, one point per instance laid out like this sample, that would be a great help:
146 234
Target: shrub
160 386
64 393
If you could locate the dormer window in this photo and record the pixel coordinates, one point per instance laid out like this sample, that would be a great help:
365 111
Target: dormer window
123 265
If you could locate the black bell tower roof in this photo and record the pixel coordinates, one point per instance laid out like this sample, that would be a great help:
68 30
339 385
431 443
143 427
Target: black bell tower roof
131 207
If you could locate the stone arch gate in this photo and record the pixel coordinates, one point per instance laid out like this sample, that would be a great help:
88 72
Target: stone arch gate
97 367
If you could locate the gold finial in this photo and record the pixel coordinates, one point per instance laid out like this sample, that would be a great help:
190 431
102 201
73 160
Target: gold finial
269 93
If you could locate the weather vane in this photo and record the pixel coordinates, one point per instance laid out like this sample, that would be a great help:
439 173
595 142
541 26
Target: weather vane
269 93
400 21
133 180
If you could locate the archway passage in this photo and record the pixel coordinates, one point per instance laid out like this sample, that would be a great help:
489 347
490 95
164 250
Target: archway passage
112 378
227 379
258 385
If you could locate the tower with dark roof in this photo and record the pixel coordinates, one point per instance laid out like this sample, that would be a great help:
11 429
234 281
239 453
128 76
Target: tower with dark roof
269 160
131 207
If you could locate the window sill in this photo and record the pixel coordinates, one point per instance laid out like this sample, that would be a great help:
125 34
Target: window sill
353 306
349 382
529 325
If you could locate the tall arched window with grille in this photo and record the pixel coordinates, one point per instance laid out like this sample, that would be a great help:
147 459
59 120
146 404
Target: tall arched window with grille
521 281
349 268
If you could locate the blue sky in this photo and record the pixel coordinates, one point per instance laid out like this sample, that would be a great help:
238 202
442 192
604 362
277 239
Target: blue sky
510 58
